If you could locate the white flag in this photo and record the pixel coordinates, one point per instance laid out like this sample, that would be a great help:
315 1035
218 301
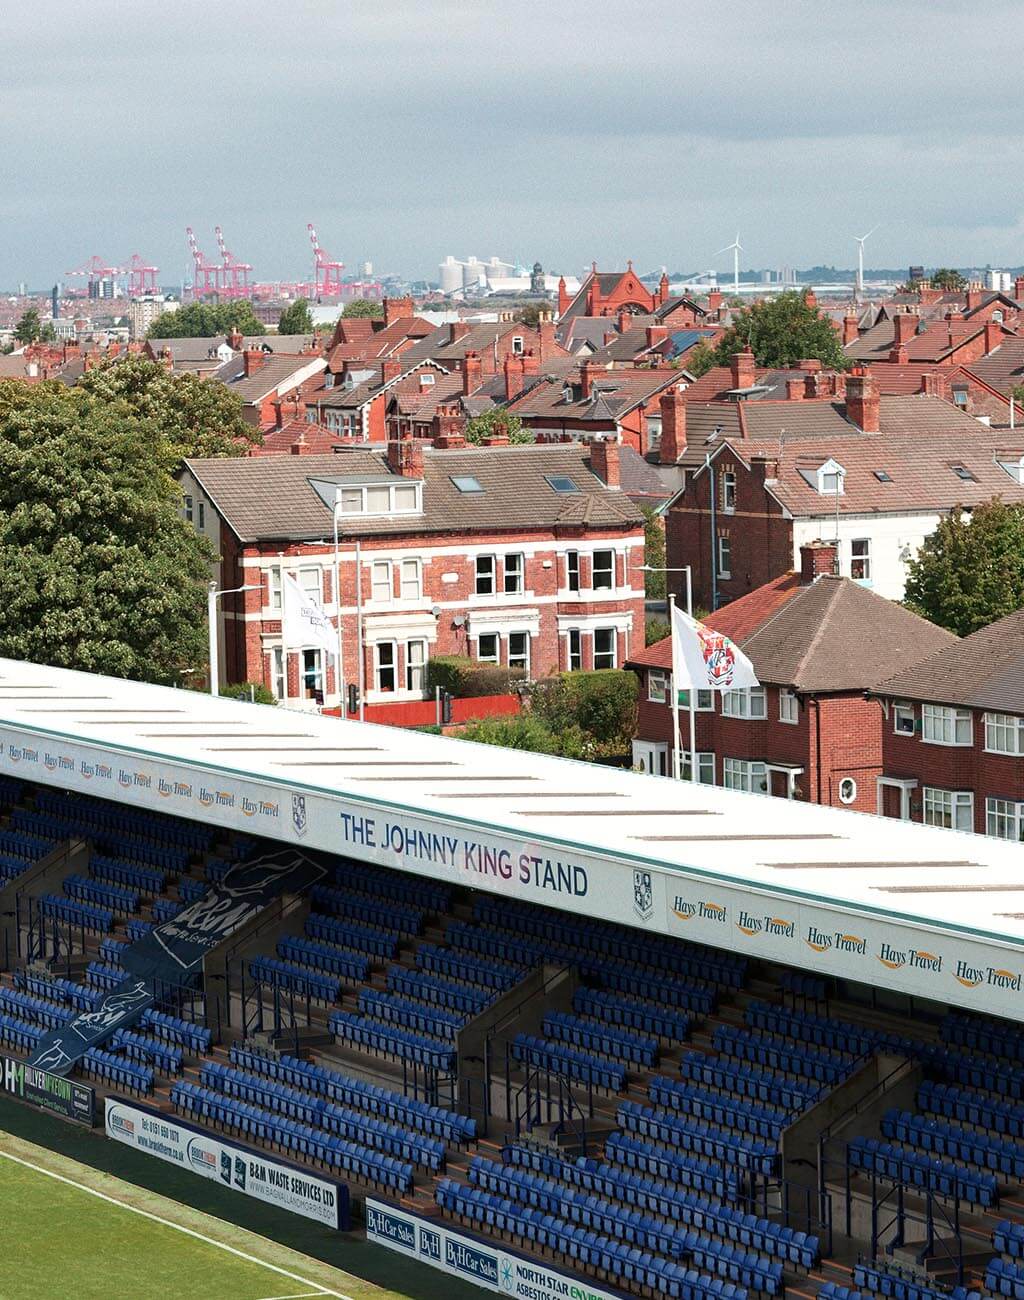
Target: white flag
304 622
705 660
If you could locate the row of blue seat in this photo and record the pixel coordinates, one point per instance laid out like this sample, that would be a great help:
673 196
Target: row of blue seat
122 1074
191 890
19 844
881 1280
143 1048
410 1112
623 1154
395 886
996 1038
59 989
392 1040
557 1058
975 1108
409 1014
359 938
166 909
107 815
801 984
364 1129
643 982
590 1035
103 977
944 1139
146 880
617 1259
137 929
97 920
394 917
27 1007
112 951
634 1226
11 867
1004 1277
727 1112
86 890
467 968
1008 1238
630 1013
437 991
12 789
291 978
172 1029
324 957
782 1054
682 1133
911 1168
132 847
20 1033
291 1135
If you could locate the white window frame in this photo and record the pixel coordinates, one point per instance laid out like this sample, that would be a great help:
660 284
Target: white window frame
651 756
518 345
277 682
863 560
485 575
904 713
353 500
1009 728
1008 812
607 582
724 550
189 508
524 658
574 650
606 632
515 573
944 724
572 570
488 659
382 669
310 579
745 774
311 679
416 665
705 701
950 809
382 582
847 790
789 706
748 702
658 682
728 492
274 587
411 579
705 767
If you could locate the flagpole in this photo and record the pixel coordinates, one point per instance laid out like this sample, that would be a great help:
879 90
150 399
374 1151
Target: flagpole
676 763
692 694
284 636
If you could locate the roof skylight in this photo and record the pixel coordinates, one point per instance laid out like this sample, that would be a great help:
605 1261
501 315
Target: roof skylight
561 483
466 482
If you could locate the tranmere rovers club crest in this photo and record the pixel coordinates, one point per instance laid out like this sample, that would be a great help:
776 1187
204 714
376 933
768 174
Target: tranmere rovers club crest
643 895
299 813
719 659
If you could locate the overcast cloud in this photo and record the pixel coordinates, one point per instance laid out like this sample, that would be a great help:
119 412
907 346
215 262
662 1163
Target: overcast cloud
548 129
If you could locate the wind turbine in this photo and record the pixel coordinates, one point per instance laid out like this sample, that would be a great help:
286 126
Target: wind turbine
735 248
861 241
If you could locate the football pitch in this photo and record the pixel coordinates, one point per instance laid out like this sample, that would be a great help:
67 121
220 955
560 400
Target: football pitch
73 1233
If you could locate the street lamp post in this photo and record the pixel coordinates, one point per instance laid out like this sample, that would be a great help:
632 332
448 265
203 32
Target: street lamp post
361 667
212 596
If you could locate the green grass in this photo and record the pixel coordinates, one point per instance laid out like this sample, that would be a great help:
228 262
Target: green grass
60 1241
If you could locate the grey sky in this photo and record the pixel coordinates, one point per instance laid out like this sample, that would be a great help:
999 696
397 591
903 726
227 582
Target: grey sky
548 129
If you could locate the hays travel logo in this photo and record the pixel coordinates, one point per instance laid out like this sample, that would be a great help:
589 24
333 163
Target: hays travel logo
704 911
914 958
752 925
991 976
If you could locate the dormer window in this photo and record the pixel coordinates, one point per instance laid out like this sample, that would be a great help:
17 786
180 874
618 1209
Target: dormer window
402 498
831 478
328 380
427 380
1015 469
518 346
568 393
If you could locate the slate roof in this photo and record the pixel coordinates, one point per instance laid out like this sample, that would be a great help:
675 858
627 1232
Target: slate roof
983 671
271 497
831 635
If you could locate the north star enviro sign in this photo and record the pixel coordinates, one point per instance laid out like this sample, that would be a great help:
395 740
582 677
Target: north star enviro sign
971 973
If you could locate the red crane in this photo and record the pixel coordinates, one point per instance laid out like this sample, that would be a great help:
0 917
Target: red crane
95 270
141 278
209 271
234 274
326 271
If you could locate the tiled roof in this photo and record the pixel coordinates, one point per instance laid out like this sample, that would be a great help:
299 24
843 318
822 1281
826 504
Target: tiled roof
275 371
271 498
613 393
831 635
983 671
317 439
638 479
1003 368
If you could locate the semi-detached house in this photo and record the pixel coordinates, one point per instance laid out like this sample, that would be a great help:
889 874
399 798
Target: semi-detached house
519 556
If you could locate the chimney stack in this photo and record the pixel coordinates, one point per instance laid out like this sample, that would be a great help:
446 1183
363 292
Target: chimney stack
714 300
472 372
744 372
514 371
976 295
252 360
862 405
851 331
656 334
389 369
993 335
405 457
604 461
817 559
586 379
904 326
457 329
235 340
625 320
673 426
796 389
396 309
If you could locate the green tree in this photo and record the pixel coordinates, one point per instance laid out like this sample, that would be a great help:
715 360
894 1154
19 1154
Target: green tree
530 313
493 423
654 554
367 308
655 630
256 692
520 732
48 334
970 571
194 417
296 319
948 280
98 569
28 326
591 712
206 320
698 360
782 331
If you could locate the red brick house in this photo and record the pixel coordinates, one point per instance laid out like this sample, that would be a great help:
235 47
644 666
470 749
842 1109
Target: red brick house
817 643
953 735
522 556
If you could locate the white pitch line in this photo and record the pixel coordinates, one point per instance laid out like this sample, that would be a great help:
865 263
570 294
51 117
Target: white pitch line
302 1295
169 1223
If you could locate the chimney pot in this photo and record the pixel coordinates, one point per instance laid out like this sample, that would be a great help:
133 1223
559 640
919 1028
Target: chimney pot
673 426
862 403
817 559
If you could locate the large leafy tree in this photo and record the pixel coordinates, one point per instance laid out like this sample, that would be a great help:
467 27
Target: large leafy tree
970 571
494 422
654 554
782 331
194 416
365 307
949 280
296 319
206 320
28 328
98 569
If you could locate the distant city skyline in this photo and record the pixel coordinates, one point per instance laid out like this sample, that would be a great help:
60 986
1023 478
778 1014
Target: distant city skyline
578 132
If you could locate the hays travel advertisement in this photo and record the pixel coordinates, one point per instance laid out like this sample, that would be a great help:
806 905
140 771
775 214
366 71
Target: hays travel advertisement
172 953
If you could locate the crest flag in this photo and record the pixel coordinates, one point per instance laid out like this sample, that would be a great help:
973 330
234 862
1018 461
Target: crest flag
705 660
304 622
